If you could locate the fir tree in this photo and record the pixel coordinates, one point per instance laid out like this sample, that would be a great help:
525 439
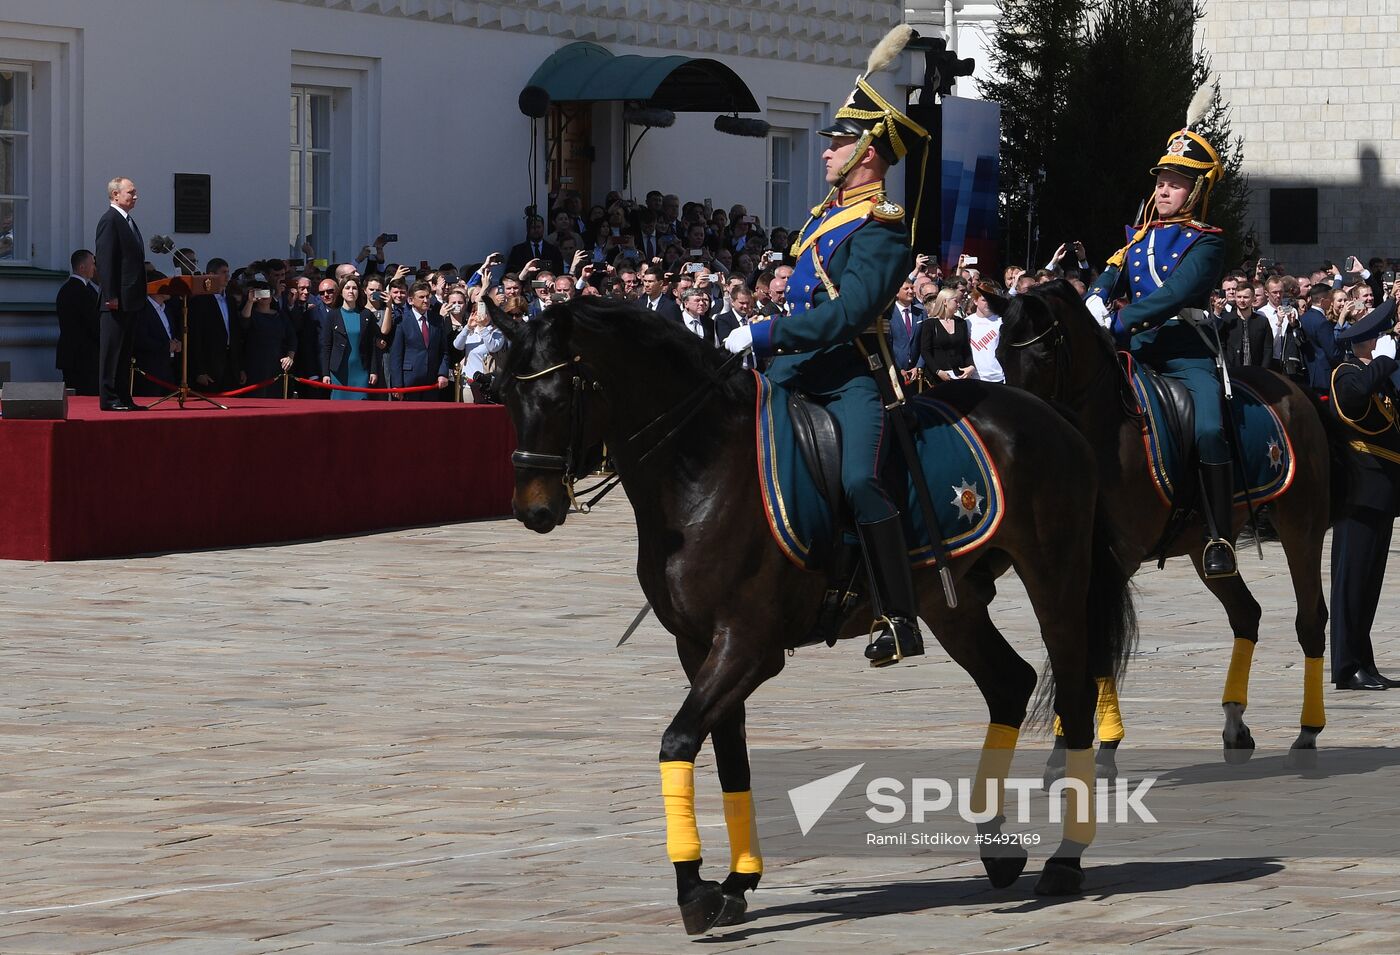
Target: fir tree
1121 90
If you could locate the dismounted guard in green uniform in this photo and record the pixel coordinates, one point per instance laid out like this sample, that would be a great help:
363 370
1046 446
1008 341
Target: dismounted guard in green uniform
851 257
1155 297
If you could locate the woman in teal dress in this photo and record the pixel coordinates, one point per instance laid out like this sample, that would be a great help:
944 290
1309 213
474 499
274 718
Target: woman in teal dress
347 347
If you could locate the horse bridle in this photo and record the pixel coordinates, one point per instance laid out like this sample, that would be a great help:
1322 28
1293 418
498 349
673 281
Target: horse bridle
583 383
575 452
1059 343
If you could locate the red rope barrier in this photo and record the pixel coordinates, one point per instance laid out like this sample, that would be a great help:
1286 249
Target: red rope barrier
368 391
210 394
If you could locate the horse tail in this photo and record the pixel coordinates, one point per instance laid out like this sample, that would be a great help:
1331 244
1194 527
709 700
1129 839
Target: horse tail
1110 618
1340 476
1111 615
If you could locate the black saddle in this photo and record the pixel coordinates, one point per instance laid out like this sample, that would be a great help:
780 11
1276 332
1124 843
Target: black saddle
1181 418
818 436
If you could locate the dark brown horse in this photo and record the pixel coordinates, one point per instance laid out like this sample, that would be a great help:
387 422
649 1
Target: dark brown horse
1052 346
592 370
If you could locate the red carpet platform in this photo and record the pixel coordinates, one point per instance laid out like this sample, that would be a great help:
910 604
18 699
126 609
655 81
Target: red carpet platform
110 484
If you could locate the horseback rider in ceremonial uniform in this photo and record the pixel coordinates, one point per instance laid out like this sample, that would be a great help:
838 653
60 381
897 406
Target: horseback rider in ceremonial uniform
1365 388
851 258
1155 298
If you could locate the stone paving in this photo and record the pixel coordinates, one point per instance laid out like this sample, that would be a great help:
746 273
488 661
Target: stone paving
426 740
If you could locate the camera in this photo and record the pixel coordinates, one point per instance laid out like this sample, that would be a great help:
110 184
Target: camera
773 257
1388 278
538 284
694 268
387 237
261 293
969 260
558 297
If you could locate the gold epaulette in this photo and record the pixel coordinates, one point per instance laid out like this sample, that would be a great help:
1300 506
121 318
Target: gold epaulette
886 211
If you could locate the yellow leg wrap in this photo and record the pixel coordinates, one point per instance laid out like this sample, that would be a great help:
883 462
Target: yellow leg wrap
1109 717
1058 727
1079 764
678 795
743 833
998 748
1237 680
1313 713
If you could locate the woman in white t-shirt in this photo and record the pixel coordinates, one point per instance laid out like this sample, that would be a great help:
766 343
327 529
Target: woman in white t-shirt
983 333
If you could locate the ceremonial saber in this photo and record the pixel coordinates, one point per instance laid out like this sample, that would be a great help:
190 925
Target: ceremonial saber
636 622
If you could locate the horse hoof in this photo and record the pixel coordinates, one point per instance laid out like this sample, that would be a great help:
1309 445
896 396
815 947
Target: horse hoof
1301 758
732 913
1106 764
1003 870
1060 877
701 911
1243 748
733 889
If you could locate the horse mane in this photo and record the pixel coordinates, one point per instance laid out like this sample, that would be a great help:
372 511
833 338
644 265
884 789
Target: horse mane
1071 308
655 337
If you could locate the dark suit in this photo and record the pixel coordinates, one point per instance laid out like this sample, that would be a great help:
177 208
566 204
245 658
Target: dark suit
707 323
1370 445
904 342
335 342
121 274
412 361
215 350
1321 353
521 254
666 307
151 348
1256 330
79 308
307 321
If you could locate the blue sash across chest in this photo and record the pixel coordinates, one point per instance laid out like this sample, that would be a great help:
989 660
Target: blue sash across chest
834 228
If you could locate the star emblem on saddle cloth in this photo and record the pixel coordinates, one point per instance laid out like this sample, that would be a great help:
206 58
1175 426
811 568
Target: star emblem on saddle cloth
968 501
1275 454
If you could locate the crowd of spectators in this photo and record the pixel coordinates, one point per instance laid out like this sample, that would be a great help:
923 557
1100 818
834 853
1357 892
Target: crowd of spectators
374 324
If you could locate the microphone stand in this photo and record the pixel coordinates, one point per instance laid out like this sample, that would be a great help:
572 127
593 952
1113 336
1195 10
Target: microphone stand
185 392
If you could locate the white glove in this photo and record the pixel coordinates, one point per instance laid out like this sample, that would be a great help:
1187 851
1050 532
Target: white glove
1385 345
1098 309
739 340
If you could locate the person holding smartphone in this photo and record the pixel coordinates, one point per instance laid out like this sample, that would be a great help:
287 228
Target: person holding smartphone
943 340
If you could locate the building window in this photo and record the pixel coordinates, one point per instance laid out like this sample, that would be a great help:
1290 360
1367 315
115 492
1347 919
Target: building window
15 185
311 171
1293 216
779 181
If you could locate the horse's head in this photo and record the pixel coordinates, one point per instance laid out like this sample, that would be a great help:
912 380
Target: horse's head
552 400
1036 333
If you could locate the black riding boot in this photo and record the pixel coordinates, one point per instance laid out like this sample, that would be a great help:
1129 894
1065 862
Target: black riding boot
1217 502
891 594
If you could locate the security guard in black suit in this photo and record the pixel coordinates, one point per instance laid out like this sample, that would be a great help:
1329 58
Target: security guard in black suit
1365 387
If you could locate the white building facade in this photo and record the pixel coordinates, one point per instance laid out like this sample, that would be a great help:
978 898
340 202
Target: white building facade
403 119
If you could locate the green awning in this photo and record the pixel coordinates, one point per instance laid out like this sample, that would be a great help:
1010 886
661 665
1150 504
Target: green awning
586 72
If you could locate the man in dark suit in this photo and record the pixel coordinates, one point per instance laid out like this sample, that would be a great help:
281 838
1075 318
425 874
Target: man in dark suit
1248 340
1318 340
906 318
156 346
1364 387
79 308
418 355
121 274
739 312
535 247
655 297
696 318
216 340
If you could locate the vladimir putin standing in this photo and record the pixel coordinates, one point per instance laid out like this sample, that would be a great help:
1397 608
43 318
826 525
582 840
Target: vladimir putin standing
121 274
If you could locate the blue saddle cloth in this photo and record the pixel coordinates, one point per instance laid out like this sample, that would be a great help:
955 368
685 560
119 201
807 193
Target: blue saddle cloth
1265 449
963 482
